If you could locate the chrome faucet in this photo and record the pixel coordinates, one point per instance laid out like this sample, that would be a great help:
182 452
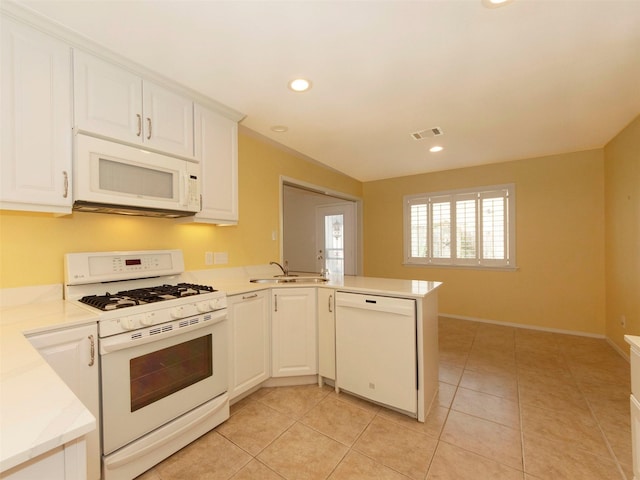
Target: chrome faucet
285 269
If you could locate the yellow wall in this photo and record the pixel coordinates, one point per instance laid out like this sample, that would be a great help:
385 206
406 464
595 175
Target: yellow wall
622 208
32 245
560 282
560 242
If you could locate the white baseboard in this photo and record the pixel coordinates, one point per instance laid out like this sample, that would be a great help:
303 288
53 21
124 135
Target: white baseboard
624 354
520 325
542 329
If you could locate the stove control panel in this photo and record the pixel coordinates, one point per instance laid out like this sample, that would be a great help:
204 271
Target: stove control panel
117 321
95 267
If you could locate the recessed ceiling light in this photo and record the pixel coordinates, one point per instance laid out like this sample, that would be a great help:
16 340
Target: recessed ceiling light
279 128
436 148
300 85
495 3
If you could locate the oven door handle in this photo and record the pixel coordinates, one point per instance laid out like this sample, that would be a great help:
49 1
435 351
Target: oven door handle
124 341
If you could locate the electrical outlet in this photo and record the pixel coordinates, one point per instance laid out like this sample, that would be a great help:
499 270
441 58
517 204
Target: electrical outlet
623 321
208 258
221 258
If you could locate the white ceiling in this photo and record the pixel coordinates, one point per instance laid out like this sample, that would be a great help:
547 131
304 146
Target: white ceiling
533 78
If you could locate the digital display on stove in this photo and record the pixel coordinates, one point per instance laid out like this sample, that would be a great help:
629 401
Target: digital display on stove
132 261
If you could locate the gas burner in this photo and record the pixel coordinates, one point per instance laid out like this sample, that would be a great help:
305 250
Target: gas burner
107 302
141 296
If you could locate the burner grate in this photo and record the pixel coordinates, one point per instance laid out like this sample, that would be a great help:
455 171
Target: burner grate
141 296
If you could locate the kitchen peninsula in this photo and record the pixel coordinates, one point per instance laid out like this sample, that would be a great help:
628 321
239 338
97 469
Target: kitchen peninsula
22 437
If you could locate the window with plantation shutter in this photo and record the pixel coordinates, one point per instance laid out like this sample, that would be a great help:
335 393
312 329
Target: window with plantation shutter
467 228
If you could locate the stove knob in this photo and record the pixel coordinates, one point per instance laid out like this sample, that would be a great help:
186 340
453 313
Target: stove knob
148 319
127 323
177 312
203 307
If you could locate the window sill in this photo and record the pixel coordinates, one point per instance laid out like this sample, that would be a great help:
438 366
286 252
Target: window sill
462 267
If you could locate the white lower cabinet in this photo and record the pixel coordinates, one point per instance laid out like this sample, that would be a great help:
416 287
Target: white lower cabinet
73 355
635 435
326 333
249 341
294 337
66 462
634 402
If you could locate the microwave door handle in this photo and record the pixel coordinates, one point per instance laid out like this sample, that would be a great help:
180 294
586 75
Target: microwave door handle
184 196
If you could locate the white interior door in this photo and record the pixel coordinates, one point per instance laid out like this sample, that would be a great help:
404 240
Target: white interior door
336 238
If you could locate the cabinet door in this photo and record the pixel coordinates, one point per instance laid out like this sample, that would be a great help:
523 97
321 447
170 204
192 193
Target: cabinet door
36 121
73 354
217 150
107 99
293 323
326 333
168 120
249 341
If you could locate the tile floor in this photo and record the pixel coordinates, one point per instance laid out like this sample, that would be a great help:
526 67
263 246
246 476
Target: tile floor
513 404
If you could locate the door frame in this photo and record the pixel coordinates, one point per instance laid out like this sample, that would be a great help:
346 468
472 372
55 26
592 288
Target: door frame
293 182
348 211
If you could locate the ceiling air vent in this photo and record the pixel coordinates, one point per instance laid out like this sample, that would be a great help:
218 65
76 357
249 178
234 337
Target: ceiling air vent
430 132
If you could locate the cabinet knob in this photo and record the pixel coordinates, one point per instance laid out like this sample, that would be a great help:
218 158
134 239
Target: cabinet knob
139 124
149 128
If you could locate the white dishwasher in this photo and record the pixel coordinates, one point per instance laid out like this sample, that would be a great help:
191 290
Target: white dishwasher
376 349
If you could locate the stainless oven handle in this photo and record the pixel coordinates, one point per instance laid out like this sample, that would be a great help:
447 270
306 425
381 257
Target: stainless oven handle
123 341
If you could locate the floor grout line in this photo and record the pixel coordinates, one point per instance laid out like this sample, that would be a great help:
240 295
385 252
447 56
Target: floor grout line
529 356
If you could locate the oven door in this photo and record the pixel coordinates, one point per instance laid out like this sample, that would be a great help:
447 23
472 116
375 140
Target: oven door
151 379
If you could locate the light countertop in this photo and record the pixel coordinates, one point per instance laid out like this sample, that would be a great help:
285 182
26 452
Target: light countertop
634 341
368 285
38 412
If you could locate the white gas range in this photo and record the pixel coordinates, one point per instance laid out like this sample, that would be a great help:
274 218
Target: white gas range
163 354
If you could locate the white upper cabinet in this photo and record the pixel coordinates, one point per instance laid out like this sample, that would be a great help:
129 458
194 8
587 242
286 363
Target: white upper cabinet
107 100
115 103
36 121
217 150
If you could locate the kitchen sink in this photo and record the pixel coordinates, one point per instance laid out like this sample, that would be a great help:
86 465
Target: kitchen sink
289 280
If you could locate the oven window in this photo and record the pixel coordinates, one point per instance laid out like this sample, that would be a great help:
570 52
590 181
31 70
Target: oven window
163 372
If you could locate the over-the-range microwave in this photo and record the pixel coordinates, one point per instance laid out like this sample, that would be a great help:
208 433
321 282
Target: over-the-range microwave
110 177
